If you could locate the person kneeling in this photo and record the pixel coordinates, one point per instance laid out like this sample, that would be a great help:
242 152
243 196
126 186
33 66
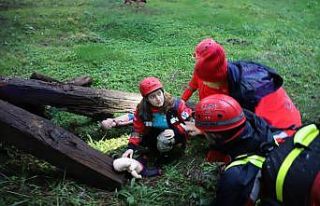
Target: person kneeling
158 125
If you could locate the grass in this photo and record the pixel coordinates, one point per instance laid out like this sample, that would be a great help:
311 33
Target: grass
118 45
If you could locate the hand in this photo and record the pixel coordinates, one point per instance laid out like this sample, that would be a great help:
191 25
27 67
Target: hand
128 153
168 133
120 122
135 174
191 129
108 123
123 120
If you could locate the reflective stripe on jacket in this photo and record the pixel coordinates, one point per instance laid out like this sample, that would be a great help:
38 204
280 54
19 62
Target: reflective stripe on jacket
289 170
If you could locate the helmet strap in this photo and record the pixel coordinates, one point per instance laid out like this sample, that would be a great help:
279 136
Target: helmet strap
227 136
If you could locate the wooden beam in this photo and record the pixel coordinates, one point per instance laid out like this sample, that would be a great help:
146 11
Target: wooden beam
59 147
98 103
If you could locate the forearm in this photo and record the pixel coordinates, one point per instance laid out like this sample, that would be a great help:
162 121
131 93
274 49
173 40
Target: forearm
187 93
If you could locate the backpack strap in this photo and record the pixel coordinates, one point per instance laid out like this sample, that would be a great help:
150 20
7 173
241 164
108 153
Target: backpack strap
302 140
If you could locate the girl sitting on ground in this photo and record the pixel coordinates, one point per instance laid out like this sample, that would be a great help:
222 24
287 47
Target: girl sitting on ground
158 125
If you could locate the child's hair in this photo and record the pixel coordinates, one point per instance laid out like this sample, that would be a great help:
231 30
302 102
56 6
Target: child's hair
144 107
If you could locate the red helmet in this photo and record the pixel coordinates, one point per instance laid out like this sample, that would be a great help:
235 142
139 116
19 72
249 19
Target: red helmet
211 63
148 85
218 113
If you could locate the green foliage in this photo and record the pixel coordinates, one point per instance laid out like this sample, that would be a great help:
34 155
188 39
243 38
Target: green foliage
183 183
118 45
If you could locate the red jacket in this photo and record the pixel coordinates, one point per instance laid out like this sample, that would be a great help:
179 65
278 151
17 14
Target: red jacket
178 114
268 100
278 110
203 90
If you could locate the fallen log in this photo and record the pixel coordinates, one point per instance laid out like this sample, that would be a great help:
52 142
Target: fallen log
59 147
97 103
84 81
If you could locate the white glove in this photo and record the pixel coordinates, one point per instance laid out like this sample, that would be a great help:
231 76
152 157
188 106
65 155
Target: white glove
133 170
128 153
128 164
165 140
168 133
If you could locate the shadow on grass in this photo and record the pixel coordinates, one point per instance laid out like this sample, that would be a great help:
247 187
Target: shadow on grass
24 178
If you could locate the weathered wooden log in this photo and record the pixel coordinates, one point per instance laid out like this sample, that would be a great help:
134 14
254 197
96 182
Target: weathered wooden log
84 81
59 147
98 103
44 78
40 110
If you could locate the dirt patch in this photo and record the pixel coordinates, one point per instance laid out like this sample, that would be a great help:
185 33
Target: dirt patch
237 41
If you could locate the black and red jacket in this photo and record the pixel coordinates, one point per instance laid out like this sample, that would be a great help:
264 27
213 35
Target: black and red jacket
145 131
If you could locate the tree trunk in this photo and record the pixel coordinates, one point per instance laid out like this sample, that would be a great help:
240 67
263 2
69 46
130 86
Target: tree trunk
97 103
61 148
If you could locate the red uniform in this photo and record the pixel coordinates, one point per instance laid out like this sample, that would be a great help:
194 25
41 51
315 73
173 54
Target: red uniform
160 121
197 84
256 87
279 111
276 108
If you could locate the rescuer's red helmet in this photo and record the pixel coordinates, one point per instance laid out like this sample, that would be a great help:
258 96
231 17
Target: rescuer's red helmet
218 113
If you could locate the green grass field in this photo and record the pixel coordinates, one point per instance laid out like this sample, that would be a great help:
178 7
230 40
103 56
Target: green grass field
117 45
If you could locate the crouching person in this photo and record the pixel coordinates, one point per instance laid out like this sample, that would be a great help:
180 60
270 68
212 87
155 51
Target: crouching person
158 125
291 173
241 136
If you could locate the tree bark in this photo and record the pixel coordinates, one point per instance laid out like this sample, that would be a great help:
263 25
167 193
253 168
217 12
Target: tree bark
97 103
84 81
59 147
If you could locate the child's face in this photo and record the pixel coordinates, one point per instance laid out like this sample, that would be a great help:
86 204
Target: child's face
156 98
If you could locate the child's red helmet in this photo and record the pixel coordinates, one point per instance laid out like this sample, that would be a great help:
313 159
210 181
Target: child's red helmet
218 113
148 85
211 63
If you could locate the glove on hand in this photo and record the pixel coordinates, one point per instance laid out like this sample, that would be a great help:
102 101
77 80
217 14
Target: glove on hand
165 140
128 164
